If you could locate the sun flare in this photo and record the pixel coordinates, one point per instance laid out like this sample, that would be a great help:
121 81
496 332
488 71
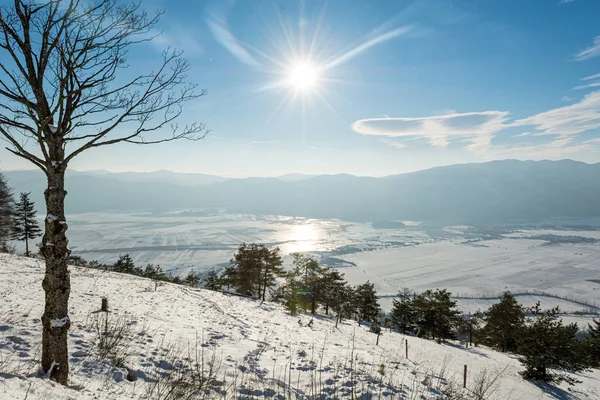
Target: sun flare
303 76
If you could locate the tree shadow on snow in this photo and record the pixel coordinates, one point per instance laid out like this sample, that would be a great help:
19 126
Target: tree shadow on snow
555 392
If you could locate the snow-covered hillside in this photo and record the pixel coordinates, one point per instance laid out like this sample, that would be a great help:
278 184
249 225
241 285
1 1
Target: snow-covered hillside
251 350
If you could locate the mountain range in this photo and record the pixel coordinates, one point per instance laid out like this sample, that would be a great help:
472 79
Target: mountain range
493 192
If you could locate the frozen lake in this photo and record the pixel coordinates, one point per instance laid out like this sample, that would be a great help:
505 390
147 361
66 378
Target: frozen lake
466 261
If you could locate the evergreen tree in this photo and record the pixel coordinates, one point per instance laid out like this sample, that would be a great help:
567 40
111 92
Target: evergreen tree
403 315
6 212
124 265
436 314
548 348
504 322
345 306
192 279
154 272
367 306
271 270
212 281
254 269
229 276
24 223
308 276
593 344
332 286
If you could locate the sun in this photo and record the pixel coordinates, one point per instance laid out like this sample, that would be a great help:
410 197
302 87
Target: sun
303 76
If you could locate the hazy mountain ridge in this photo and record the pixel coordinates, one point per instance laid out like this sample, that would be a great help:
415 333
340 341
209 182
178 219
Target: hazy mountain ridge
492 192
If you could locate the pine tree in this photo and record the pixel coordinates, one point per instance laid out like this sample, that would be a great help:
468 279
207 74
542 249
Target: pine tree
504 322
25 226
403 315
549 349
6 212
346 304
154 272
271 269
212 281
192 279
124 265
436 314
333 285
308 275
592 344
366 302
254 269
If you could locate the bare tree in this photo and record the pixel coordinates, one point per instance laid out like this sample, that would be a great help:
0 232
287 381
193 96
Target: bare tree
62 92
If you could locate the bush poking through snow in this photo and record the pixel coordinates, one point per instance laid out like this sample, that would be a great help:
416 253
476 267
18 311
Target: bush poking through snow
113 337
189 375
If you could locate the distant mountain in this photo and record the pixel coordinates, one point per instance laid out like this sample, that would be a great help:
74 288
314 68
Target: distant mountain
294 177
493 192
177 178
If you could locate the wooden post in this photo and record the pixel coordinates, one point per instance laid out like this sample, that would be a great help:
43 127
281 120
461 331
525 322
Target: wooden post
406 347
104 306
465 377
377 344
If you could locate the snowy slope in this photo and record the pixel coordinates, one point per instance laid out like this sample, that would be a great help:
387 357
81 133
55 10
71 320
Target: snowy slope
258 348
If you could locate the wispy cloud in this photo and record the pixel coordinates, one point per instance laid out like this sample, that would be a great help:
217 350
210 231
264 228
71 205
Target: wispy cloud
566 1
590 52
219 26
393 143
479 128
556 149
179 39
594 81
568 120
476 127
591 77
587 86
367 45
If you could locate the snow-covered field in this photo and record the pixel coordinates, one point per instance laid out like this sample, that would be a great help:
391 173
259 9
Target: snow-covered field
257 348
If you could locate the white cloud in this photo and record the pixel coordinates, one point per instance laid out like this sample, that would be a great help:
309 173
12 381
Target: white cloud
595 78
479 128
566 1
590 52
589 78
556 149
476 127
587 86
568 120
393 143
566 99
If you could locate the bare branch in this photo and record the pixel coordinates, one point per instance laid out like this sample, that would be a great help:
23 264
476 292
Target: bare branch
62 84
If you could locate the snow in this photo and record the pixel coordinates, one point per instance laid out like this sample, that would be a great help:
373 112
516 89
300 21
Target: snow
53 128
262 340
51 218
59 322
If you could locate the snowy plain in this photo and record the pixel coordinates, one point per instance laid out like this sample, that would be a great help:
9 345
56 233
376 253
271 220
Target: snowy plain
467 262
259 346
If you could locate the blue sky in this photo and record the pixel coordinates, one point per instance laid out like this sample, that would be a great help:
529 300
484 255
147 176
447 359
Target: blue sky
400 85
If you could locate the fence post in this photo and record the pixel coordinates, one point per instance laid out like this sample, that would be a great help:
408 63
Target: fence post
465 377
406 347
104 306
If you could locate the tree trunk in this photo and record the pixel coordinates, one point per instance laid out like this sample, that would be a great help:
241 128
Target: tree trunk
56 284
26 235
